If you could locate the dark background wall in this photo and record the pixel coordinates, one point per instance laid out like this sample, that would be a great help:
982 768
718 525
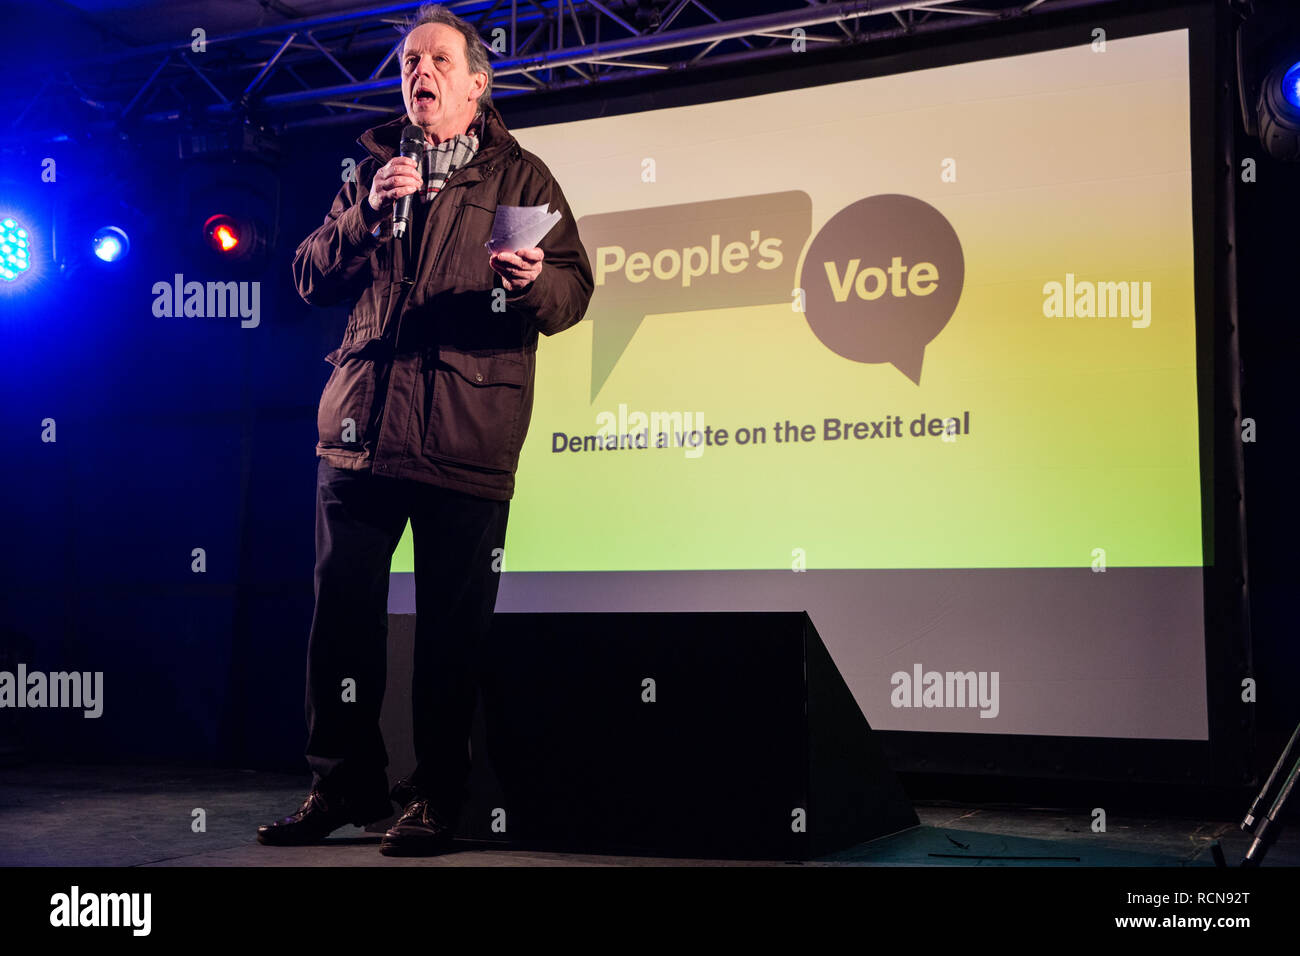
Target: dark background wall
172 434
1268 304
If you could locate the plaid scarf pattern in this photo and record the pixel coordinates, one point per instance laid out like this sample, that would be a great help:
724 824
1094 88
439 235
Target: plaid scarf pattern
448 156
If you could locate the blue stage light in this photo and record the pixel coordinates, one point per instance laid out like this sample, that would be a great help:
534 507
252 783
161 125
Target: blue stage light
111 244
1291 85
15 250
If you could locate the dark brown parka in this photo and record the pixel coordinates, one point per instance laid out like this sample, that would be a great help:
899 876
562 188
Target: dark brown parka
434 378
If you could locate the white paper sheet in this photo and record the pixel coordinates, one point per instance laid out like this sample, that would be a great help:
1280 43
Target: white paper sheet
520 227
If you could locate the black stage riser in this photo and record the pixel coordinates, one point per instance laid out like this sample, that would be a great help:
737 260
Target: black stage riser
752 734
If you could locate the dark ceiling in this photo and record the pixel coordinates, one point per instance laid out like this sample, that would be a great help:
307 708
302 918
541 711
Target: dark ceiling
114 65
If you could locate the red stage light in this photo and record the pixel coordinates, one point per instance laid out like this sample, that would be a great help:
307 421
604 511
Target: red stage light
222 233
226 237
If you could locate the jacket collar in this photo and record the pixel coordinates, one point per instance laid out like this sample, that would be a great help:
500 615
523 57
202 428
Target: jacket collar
383 141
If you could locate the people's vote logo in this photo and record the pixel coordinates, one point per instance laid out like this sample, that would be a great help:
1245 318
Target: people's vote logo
881 279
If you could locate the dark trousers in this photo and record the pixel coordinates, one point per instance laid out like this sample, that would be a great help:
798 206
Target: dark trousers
359 521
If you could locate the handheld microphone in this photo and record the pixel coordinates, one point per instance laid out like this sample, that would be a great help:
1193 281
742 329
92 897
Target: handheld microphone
412 146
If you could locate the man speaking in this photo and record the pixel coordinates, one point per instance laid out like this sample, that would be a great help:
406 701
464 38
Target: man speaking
423 418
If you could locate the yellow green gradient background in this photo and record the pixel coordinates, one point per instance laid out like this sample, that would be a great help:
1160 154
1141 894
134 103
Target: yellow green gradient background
1083 430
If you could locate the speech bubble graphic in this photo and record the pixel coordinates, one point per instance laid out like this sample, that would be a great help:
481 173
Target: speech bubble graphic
882 279
717 254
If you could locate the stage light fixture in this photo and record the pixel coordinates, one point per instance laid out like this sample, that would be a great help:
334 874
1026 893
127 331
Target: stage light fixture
1268 77
15 250
1278 112
1291 85
238 239
111 244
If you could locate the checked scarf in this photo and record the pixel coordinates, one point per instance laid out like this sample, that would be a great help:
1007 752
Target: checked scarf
448 156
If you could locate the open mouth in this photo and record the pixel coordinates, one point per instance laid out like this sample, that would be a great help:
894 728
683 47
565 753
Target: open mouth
424 96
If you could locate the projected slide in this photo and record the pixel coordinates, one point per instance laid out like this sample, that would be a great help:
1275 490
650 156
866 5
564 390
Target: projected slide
914 353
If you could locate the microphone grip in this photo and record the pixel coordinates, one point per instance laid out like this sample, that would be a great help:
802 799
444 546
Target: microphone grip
402 208
401 216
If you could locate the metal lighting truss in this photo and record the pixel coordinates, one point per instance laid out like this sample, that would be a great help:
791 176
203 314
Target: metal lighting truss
338 67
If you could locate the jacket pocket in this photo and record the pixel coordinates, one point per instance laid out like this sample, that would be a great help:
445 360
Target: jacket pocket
469 255
343 417
477 409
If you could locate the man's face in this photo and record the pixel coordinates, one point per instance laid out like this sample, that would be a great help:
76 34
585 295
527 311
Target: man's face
440 92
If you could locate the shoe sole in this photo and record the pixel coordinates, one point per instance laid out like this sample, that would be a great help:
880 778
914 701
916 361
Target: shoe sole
323 839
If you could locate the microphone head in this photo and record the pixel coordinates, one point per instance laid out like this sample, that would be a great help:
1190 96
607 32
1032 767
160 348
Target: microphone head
412 140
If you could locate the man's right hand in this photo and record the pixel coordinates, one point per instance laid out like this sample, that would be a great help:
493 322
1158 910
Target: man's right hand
397 178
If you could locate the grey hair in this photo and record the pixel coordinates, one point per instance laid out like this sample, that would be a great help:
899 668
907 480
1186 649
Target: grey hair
475 56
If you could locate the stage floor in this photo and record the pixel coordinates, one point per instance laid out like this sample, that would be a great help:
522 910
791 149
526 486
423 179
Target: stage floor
62 815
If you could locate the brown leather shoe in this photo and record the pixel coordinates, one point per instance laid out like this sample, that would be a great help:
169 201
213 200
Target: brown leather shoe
317 818
418 832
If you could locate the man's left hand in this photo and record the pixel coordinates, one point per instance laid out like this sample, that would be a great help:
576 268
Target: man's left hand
517 269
